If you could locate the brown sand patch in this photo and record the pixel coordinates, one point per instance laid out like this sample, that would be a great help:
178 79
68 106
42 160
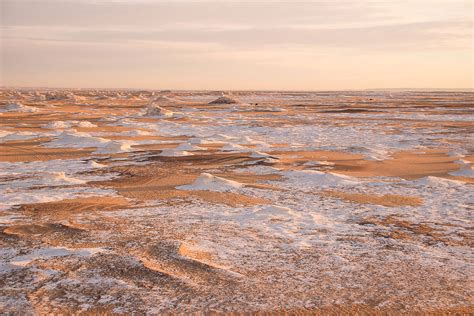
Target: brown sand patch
66 298
405 164
280 145
151 177
406 230
365 309
194 253
252 180
211 146
177 139
102 128
41 229
229 198
8 240
264 186
29 150
446 124
295 160
209 161
469 158
159 182
391 200
65 208
11 117
155 147
24 128
171 195
167 257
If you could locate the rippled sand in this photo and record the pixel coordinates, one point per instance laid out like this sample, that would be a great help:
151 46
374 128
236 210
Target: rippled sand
159 202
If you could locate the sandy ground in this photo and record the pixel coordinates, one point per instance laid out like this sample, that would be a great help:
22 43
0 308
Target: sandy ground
321 203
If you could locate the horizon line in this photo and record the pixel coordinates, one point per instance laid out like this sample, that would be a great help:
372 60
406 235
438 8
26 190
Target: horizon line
239 90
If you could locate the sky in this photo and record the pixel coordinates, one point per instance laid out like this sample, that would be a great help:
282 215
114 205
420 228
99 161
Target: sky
237 45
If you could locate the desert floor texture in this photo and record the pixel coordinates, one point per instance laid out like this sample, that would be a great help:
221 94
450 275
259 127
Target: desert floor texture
160 202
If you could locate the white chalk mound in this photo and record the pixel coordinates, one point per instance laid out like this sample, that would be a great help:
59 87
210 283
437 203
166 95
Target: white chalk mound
18 107
174 152
271 215
60 178
157 111
209 182
58 125
224 100
113 147
275 212
68 124
46 253
258 154
188 147
94 164
466 170
234 147
86 124
313 178
76 140
433 181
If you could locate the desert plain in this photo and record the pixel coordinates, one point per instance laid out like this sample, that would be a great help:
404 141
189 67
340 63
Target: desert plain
152 202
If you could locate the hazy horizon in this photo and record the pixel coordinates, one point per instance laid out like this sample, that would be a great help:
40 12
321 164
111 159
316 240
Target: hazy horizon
238 90
238 45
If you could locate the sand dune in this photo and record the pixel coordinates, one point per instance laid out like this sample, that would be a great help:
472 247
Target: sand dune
391 200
